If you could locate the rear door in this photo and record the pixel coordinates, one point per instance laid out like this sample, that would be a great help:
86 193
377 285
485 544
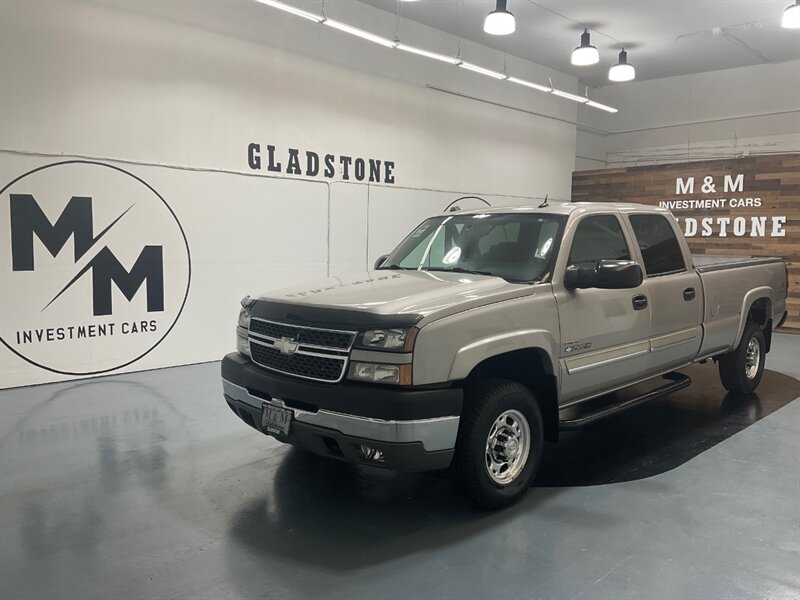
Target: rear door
675 293
604 333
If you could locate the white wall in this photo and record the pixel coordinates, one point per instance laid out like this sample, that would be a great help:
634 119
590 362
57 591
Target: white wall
695 117
174 92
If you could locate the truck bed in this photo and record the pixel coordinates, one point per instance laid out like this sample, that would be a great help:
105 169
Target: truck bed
727 283
705 264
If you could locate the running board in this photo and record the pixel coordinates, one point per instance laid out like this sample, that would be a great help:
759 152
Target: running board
677 381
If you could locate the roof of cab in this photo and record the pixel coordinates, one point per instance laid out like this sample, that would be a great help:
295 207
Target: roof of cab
562 208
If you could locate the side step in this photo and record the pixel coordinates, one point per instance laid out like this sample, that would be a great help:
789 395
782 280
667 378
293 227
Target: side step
676 381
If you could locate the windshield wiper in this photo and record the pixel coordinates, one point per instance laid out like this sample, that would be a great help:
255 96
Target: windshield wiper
460 270
473 272
397 267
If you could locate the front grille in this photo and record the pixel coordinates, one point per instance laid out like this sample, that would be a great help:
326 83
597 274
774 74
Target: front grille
302 365
318 354
326 338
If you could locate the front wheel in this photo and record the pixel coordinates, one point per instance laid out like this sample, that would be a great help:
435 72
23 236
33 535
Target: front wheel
499 445
741 369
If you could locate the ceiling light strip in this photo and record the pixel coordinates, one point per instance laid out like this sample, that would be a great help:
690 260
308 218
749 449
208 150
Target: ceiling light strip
453 60
482 70
604 107
364 35
568 96
298 12
530 84
428 54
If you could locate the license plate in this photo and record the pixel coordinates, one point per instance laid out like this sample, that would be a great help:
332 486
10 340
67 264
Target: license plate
275 419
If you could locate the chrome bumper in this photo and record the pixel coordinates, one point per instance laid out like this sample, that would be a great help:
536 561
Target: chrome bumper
434 434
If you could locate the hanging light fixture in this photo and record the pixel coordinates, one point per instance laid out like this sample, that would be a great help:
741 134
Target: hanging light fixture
622 71
585 54
791 16
500 21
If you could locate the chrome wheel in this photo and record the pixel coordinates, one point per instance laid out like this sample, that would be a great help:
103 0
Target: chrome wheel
508 446
752 358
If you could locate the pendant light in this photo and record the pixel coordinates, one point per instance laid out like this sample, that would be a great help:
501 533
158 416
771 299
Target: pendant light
585 54
791 16
622 71
500 21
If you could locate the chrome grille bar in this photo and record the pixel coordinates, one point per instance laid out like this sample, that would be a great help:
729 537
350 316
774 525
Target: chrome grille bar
314 353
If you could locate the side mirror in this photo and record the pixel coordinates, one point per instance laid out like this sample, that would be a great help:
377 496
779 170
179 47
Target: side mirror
618 275
608 275
576 277
380 261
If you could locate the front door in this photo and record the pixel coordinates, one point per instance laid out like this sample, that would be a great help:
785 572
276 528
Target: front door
604 333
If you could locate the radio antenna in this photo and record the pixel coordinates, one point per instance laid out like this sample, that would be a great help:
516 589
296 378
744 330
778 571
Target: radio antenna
544 204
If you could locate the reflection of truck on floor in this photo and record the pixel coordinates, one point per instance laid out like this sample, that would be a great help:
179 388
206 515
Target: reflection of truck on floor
466 344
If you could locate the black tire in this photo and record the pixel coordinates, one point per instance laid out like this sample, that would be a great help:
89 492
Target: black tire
484 404
733 366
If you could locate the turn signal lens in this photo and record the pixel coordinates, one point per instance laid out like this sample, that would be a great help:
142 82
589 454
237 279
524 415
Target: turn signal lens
243 346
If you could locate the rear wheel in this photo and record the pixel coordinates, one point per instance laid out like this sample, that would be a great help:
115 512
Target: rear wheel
741 369
499 444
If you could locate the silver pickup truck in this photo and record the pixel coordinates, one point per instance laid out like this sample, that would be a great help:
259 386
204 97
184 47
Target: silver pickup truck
480 336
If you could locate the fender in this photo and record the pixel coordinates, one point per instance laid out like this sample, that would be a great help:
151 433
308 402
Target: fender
749 299
468 357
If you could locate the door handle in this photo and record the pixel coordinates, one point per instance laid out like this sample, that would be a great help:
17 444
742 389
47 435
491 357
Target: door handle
688 294
639 302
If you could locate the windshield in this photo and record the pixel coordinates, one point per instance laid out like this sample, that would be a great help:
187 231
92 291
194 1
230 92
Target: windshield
516 247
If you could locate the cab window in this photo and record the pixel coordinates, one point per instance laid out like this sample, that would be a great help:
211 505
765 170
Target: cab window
598 238
661 251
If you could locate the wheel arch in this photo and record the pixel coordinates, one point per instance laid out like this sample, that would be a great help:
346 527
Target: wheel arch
531 367
757 307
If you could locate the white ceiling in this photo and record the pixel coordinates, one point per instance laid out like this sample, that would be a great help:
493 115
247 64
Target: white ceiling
664 38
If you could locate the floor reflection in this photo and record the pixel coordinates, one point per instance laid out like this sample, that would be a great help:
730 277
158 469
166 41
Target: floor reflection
661 435
148 482
72 456
340 516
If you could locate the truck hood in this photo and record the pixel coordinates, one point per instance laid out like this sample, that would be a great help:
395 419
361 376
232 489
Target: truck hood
406 297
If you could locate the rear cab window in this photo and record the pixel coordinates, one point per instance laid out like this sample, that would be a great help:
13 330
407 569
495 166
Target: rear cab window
658 244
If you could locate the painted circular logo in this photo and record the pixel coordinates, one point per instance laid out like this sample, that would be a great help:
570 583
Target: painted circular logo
95 267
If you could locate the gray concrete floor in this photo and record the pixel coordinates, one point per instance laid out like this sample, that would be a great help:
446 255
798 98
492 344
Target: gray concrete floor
147 486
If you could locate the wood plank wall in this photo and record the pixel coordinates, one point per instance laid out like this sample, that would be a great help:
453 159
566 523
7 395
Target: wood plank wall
774 179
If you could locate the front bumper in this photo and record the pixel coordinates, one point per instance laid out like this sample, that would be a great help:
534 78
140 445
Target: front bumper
414 429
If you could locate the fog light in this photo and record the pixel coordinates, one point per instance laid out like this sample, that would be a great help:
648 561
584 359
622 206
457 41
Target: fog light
371 454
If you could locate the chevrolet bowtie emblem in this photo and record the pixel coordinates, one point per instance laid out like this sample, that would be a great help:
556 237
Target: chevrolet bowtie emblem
286 345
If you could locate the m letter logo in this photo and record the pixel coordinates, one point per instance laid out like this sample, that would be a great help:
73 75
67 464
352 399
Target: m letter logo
28 220
98 268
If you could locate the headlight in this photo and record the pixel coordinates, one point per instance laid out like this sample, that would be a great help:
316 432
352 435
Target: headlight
243 324
381 373
244 318
395 340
